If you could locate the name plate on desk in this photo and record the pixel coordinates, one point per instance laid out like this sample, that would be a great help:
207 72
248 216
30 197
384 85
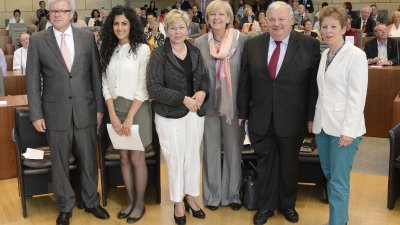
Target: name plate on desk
3 103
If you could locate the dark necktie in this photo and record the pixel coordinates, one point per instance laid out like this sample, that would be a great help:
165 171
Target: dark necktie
273 62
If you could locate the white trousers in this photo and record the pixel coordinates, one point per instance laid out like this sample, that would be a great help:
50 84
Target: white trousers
180 141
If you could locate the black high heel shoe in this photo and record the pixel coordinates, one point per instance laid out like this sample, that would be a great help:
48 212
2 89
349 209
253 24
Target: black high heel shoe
180 220
135 219
198 214
121 215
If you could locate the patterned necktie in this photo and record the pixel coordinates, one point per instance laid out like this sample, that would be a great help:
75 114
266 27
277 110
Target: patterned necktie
65 52
273 62
363 27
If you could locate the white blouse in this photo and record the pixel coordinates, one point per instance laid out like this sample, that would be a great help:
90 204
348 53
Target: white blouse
394 32
19 61
126 73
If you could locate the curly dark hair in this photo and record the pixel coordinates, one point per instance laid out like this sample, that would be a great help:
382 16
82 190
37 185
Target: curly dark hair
93 11
110 41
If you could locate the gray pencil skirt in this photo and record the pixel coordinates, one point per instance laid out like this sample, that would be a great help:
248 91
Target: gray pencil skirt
143 117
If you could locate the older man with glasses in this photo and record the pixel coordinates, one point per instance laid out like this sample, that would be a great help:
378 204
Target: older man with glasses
70 106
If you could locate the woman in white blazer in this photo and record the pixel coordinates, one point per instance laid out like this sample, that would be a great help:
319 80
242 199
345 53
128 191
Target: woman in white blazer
339 116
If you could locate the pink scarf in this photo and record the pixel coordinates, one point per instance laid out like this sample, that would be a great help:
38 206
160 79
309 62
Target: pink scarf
223 81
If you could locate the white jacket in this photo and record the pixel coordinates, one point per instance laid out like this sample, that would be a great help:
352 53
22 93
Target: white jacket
342 92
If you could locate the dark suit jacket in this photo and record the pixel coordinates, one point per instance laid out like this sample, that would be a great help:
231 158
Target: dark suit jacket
293 94
66 95
309 5
371 50
369 29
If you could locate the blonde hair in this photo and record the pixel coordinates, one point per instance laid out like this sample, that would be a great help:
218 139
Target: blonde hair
175 15
395 13
217 5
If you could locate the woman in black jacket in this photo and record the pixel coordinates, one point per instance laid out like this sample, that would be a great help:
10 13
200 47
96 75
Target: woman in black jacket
177 80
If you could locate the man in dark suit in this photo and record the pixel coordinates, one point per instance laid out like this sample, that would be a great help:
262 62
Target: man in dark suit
382 50
376 16
308 4
365 23
70 105
277 95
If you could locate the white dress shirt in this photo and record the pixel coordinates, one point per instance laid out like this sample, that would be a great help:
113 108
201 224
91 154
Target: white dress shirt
19 61
382 50
69 40
126 73
272 46
12 20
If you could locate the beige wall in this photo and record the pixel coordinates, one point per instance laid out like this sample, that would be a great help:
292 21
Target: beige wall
84 7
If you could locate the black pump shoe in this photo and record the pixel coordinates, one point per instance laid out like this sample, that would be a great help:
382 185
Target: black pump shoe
121 215
135 219
180 220
198 214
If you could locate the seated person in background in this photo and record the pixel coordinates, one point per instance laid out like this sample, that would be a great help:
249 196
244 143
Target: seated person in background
324 4
260 15
138 12
194 29
153 36
95 19
161 18
32 29
302 15
248 17
394 28
19 61
381 50
307 24
16 18
376 16
197 15
3 62
97 36
365 23
42 12
76 22
351 32
149 18
263 26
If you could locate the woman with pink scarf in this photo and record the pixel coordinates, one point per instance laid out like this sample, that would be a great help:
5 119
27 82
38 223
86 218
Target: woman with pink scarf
221 50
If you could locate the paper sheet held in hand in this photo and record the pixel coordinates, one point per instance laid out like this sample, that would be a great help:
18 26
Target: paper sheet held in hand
132 142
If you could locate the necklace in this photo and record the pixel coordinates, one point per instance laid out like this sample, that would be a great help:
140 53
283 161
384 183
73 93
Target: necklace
329 61
182 55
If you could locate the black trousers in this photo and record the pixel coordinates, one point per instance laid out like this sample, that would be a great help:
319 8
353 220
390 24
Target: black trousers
277 169
83 142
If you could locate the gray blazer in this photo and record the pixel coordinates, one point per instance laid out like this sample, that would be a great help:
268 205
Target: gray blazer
76 94
209 63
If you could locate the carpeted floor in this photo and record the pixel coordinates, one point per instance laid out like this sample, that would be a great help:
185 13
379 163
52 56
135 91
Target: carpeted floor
372 156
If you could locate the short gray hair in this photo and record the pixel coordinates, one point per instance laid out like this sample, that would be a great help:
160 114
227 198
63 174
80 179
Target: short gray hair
71 3
278 4
367 7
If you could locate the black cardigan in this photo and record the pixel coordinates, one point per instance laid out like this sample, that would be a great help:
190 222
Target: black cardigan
167 83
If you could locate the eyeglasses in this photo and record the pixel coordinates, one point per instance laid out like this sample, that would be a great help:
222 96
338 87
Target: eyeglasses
176 29
60 12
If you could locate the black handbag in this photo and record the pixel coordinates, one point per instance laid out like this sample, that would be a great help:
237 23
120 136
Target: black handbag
249 187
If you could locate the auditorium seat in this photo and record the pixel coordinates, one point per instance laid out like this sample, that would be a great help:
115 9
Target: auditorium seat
34 176
394 167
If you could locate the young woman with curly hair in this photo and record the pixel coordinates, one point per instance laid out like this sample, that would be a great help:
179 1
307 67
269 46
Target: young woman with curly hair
124 58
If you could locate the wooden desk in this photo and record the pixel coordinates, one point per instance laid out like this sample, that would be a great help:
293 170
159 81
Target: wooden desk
8 168
383 87
14 83
396 111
